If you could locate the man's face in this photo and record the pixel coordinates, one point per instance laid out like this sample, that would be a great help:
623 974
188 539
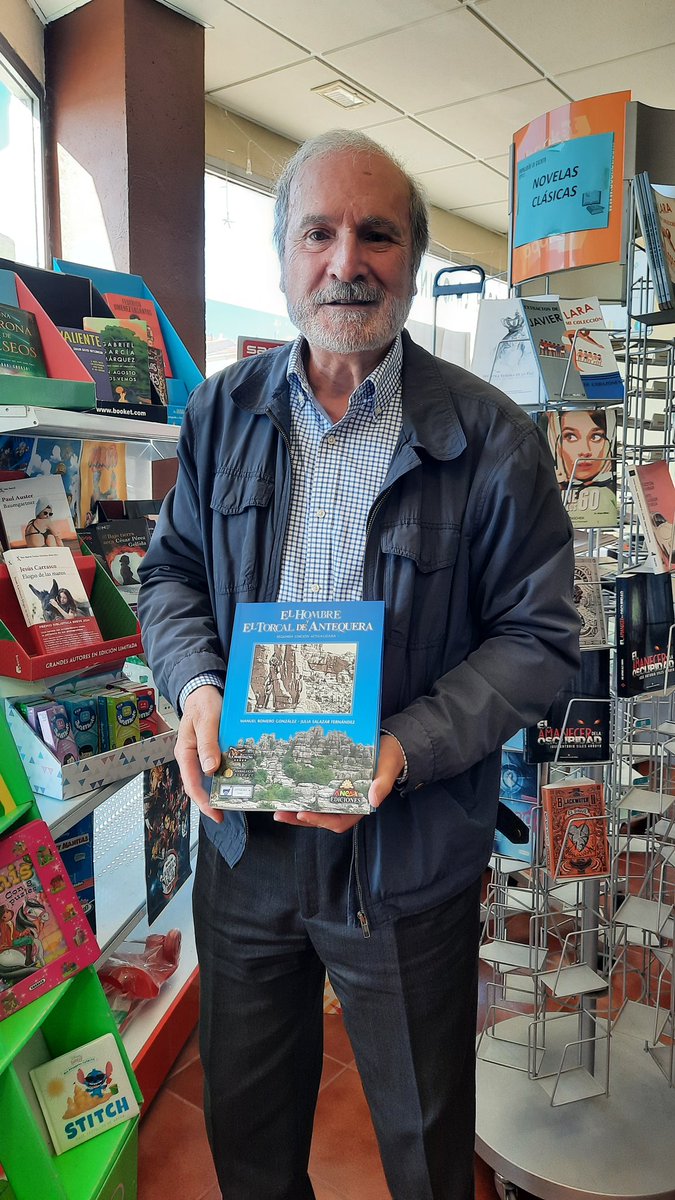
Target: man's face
347 266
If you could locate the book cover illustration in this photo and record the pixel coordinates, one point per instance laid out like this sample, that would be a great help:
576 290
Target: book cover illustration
166 824
127 354
653 492
140 308
575 829
593 354
644 633
20 343
664 197
300 719
577 725
53 598
503 353
103 475
583 445
59 456
546 326
15 452
91 351
517 829
35 513
124 545
76 848
44 935
588 602
84 1092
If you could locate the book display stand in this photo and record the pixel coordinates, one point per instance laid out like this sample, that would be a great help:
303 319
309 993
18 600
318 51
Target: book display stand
576 1059
33 784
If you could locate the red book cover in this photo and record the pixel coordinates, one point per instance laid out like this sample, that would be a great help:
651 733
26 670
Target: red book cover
653 492
44 934
53 598
575 825
142 309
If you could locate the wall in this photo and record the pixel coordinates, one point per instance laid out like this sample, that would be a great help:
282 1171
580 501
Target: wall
234 142
23 30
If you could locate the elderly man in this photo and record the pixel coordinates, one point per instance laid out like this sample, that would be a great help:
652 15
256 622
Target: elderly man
353 465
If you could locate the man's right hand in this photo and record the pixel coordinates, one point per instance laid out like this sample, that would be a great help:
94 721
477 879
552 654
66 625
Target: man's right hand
197 749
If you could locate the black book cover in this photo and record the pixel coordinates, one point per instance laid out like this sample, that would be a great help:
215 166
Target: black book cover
644 616
576 726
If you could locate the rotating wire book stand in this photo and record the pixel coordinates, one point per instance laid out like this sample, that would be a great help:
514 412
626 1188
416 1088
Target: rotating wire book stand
576 1057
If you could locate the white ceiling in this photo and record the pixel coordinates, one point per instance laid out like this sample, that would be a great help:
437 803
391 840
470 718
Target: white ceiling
450 80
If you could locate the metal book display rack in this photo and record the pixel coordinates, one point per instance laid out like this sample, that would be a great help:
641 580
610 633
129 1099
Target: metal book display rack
579 1031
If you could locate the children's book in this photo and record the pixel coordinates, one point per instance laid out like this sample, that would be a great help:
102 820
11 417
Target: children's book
546 326
127 354
653 493
575 829
583 444
645 637
35 513
53 598
576 726
140 308
44 935
20 343
84 1092
166 825
76 848
300 719
593 354
588 601
90 350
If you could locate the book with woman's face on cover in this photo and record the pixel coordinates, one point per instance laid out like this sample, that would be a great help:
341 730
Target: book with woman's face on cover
53 599
35 513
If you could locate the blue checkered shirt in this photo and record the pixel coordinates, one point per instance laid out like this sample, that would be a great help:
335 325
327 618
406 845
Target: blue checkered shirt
337 471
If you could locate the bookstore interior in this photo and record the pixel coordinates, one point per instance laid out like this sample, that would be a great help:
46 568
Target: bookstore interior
140 141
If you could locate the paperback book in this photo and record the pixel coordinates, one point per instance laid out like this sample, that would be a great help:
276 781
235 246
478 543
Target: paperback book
166 827
44 935
300 719
576 726
140 308
653 492
127 355
518 809
503 353
90 350
644 633
575 829
20 343
52 598
593 354
84 1092
652 232
588 601
76 848
583 445
123 544
665 208
35 513
546 327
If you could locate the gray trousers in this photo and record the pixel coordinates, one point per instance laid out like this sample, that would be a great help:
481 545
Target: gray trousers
266 931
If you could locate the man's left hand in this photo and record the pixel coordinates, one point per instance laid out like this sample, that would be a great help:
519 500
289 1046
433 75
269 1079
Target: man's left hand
389 766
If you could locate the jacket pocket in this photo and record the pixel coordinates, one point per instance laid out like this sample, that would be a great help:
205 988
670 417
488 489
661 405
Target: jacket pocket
419 565
240 529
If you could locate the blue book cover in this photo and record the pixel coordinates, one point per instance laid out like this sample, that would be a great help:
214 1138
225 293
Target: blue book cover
301 711
517 829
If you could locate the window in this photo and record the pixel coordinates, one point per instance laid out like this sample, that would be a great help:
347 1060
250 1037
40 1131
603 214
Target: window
243 298
22 222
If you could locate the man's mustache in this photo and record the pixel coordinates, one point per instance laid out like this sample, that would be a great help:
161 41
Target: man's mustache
349 293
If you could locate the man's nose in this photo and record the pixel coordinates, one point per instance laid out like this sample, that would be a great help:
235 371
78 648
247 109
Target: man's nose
348 262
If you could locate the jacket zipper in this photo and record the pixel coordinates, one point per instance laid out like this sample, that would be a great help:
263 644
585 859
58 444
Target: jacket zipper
361 913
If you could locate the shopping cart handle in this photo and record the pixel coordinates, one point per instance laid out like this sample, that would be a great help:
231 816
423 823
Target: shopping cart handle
459 289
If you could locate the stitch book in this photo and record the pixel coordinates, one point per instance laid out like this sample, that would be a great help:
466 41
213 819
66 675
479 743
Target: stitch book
301 712
44 935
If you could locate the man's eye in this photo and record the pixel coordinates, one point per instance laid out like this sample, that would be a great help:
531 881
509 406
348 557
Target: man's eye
375 236
316 235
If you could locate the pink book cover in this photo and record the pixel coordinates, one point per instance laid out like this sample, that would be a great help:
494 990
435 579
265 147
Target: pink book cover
45 937
658 493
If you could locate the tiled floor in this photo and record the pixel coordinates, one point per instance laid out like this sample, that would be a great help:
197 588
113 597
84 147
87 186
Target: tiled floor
174 1157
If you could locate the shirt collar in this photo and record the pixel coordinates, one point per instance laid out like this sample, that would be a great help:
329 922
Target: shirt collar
376 390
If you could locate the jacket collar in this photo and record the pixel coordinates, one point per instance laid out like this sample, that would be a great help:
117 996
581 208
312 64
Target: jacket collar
430 420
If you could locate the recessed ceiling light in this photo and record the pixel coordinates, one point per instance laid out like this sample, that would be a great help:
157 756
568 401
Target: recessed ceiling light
343 94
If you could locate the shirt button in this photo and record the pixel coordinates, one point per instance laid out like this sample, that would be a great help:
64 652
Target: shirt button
321 512
314 587
331 439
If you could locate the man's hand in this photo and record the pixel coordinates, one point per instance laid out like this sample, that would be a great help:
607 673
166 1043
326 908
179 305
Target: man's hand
197 749
389 766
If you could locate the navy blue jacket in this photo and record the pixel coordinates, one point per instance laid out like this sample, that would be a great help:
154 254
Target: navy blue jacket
470 548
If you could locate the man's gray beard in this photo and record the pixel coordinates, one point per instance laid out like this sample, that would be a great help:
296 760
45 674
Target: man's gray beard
352 330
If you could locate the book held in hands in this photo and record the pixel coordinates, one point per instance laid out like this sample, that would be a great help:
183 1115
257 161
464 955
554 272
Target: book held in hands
300 721
53 598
